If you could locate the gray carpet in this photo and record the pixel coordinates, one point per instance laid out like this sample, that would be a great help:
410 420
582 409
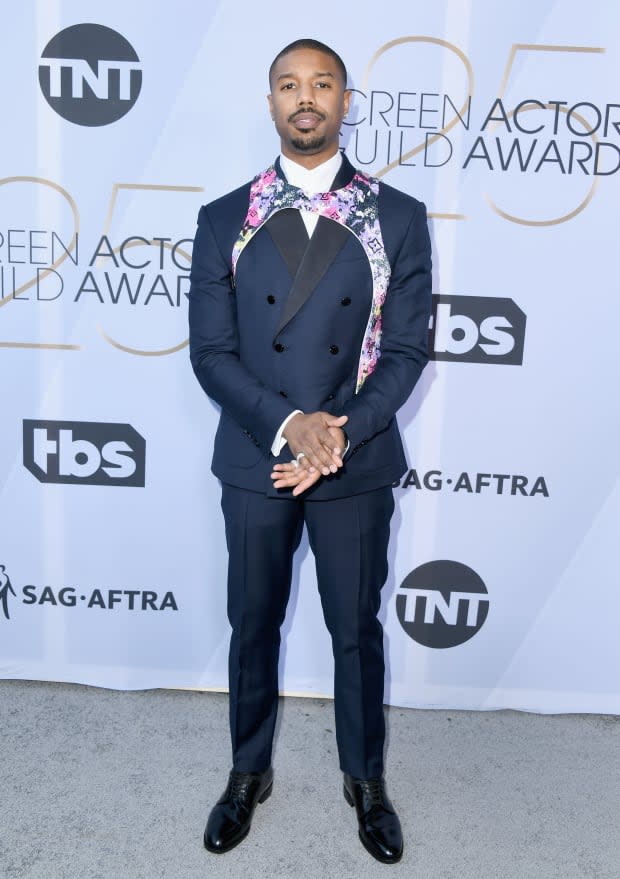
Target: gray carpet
99 784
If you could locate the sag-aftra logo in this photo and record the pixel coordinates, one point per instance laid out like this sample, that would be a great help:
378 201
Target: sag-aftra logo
6 590
89 598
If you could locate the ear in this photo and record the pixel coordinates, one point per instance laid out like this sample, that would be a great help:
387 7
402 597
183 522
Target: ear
270 103
346 100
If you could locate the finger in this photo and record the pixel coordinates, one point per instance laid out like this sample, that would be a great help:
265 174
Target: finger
338 442
292 477
286 478
315 440
314 455
335 455
285 468
320 458
321 446
291 467
310 436
331 421
301 458
294 481
305 463
305 485
286 483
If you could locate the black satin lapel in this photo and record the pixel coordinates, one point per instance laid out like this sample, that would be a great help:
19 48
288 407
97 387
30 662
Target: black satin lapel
290 236
328 239
345 175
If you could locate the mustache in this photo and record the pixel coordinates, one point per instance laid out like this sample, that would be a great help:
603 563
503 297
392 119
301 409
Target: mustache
316 113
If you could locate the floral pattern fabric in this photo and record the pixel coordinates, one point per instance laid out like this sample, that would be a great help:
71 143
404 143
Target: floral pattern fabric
354 206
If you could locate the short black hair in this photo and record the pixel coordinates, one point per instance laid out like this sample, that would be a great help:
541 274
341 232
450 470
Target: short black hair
308 43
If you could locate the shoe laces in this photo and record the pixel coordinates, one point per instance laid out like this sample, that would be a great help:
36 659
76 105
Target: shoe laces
373 791
239 783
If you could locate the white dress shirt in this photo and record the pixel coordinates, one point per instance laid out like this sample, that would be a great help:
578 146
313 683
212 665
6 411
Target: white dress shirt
311 180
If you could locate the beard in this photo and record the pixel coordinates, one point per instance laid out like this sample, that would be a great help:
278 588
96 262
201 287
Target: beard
308 144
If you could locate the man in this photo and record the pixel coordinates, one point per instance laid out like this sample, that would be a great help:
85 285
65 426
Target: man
309 310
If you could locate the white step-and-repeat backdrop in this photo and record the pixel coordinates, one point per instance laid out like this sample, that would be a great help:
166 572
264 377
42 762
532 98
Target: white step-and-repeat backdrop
119 120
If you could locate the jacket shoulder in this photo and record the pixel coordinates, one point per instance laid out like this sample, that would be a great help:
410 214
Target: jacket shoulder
230 203
401 215
225 216
395 200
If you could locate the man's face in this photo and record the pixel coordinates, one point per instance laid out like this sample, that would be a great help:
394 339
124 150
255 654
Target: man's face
308 101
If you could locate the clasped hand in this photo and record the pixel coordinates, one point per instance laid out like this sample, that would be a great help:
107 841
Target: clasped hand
320 437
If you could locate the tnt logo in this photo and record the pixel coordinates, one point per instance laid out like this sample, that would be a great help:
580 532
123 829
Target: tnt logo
442 604
477 329
90 74
84 453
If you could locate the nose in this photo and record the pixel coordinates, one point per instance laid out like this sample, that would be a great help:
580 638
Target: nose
305 94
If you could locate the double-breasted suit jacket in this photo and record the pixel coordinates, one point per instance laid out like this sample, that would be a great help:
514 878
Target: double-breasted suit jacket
337 322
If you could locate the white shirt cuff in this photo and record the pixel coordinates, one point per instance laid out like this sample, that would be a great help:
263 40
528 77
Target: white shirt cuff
279 441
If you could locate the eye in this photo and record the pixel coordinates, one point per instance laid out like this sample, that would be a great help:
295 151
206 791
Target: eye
323 85
288 86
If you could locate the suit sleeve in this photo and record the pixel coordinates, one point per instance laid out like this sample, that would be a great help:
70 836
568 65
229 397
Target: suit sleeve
214 343
404 338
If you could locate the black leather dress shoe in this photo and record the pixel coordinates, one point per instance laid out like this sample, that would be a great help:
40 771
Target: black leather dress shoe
379 826
230 819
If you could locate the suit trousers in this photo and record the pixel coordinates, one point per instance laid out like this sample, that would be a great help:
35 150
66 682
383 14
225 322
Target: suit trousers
349 539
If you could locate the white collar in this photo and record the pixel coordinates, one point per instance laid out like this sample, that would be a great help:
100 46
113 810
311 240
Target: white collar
312 180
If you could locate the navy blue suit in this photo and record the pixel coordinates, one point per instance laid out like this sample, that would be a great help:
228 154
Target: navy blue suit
286 335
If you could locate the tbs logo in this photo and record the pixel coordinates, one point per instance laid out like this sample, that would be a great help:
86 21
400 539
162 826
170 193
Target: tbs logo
477 329
84 453
90 74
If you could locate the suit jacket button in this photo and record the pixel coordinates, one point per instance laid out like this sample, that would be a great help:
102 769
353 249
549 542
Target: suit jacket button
279 347
346 300
271 299
333 349
331 397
